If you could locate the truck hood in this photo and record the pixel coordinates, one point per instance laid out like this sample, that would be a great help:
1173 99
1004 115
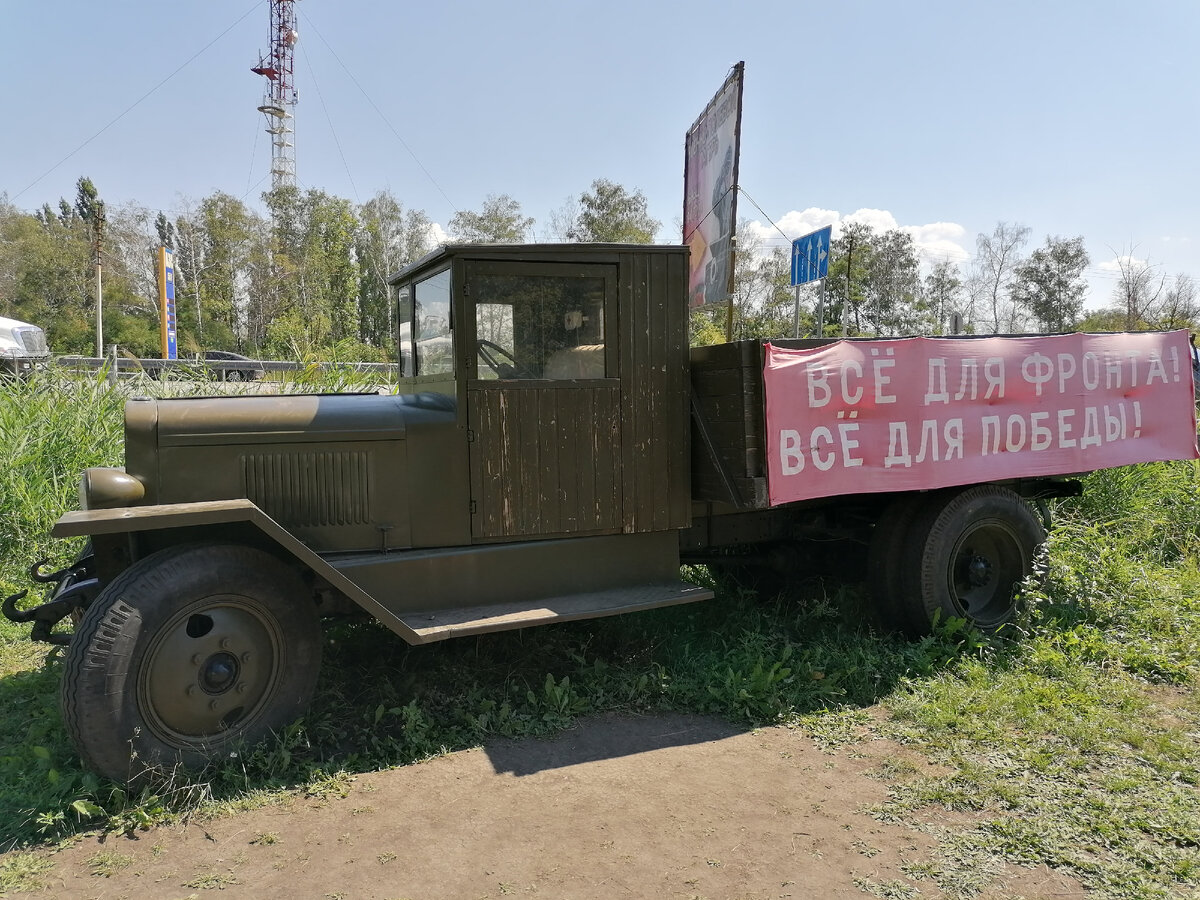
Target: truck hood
282 419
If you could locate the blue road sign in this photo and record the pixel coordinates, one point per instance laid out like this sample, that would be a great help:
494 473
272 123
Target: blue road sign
810 256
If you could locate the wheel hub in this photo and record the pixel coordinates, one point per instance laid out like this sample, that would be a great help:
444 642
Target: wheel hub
979 570
219 673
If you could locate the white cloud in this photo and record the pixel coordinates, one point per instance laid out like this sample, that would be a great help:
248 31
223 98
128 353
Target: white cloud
935 242
878 219
1122 263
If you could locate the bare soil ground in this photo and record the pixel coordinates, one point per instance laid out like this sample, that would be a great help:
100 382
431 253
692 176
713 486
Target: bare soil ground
658 807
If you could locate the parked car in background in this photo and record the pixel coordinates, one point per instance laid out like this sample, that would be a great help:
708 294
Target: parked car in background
22 347
246 369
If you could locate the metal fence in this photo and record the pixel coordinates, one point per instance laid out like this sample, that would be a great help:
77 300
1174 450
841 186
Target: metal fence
220 369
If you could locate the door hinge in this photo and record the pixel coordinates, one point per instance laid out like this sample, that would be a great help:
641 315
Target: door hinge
474 508
470 436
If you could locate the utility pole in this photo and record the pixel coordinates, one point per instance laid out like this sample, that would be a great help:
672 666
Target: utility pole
97 242
849 281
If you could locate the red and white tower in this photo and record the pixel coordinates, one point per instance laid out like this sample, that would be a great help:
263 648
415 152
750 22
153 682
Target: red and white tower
280 100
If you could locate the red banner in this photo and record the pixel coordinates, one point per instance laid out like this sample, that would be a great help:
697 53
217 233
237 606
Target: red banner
919 413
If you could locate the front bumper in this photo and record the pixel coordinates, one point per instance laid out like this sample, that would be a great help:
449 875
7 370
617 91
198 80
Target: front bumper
74 588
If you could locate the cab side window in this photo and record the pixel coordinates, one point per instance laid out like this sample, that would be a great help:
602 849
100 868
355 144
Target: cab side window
539 326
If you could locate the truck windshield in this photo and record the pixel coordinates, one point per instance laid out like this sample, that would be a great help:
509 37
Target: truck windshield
432 335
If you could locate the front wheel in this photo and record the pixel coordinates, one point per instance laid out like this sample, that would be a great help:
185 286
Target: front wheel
186 655
967 553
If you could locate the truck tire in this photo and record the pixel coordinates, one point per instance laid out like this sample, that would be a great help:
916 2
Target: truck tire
187 655
967 553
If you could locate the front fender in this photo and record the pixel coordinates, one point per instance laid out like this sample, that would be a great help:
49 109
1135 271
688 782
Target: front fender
207 514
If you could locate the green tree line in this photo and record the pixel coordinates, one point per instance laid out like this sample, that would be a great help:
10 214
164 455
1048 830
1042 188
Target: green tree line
306 277
878 285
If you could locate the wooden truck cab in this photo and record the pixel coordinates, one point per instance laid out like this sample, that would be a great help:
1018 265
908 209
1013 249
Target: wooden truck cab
568 365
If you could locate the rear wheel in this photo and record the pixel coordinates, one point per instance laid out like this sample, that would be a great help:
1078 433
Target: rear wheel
965 556
188 654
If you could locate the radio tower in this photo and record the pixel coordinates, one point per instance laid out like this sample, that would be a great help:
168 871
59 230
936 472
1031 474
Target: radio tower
280 100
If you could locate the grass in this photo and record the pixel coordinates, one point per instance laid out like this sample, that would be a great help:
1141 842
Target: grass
1070 742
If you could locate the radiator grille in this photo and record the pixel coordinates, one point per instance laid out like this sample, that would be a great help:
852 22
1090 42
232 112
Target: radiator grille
310 489
32 339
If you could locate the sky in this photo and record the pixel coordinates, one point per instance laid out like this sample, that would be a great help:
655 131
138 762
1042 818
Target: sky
1070 117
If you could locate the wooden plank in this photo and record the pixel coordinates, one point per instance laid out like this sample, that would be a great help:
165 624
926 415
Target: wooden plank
567 481
663 432
606 461
549 487
525 450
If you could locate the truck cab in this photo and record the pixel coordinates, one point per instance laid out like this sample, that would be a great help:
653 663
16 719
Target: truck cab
567 368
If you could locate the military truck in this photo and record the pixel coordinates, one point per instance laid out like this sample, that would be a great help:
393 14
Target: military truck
554 452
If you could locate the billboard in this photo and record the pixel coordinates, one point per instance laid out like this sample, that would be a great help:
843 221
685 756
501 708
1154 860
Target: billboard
710 178
923 413
166 303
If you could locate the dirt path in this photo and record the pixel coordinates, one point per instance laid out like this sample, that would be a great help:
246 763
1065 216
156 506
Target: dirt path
657 807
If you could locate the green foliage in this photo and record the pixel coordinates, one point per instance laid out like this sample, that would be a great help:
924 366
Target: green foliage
707 326
942 289
1050 285
500 221
874 283
608 213
997 256
389 237
46 443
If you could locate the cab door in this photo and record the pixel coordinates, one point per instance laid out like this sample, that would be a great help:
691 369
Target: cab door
543 399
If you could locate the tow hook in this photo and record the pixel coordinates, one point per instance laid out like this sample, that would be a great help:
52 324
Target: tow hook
74 588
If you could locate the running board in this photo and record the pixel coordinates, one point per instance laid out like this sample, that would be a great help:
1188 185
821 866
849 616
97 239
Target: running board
437 625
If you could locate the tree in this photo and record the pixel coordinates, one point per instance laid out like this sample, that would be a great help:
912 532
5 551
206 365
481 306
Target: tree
847 270
562 221
892 290
389 237
1180 308
499 222
88 204
608 213
1050 285
873 283
220 246
997 256
1139 289
47 271
942 291
46 275
308 289
763 299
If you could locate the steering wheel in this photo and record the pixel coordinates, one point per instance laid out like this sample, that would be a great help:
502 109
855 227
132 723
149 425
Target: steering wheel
500 360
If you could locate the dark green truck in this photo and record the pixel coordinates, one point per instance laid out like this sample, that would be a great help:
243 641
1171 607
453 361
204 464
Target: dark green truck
553 453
